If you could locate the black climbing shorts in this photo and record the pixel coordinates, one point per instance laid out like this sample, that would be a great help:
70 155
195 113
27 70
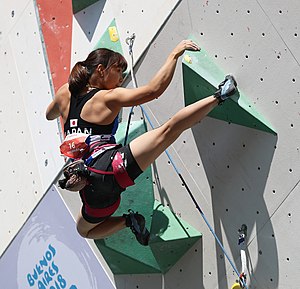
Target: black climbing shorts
101 197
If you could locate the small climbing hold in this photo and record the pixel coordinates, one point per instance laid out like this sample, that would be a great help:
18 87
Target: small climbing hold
188 59
113 33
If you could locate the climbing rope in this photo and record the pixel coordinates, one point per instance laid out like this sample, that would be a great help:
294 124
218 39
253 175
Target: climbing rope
130 41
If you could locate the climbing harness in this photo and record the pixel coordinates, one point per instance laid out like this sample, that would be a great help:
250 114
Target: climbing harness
118 170
100 212
130 40
76 174
84 148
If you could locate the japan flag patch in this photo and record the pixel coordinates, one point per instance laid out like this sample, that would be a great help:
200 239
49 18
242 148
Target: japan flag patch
73 122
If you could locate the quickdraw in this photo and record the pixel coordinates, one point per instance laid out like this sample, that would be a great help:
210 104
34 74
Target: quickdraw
242 281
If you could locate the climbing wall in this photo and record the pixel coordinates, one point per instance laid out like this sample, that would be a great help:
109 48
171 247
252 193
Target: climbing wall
239 175
237 172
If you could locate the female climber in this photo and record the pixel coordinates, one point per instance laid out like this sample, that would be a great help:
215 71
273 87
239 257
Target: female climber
89 104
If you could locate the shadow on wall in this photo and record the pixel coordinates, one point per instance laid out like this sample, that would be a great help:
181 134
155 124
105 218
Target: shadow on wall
237 162
184 277
187 276
88 18
164 198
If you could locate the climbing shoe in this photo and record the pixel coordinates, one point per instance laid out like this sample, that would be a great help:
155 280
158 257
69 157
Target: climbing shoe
226 88
136 222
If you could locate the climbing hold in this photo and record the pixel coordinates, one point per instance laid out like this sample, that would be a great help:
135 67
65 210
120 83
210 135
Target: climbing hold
110 38
188 59
201 78
113 33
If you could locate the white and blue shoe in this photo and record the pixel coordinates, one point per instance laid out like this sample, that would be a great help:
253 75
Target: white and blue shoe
226 88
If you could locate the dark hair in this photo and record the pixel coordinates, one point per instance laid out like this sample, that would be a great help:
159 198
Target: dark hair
83 70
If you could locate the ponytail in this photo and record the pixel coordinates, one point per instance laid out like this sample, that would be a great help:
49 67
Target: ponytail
78 78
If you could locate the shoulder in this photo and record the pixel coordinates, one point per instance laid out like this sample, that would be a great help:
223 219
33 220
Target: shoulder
63 92
115 95
111 98
125 97
103 96
100 109
60 104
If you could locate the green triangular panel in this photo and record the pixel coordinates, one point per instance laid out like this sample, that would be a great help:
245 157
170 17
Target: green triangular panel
110 39
79 5
120 263
201 76
171 237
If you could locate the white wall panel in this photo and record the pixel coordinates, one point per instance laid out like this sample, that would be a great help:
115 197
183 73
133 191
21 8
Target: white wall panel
27 139
245 175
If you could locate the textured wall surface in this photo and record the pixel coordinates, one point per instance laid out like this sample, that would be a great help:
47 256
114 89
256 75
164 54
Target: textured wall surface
28 142
238 175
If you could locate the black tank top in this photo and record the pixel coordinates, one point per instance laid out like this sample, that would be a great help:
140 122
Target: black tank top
75 124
